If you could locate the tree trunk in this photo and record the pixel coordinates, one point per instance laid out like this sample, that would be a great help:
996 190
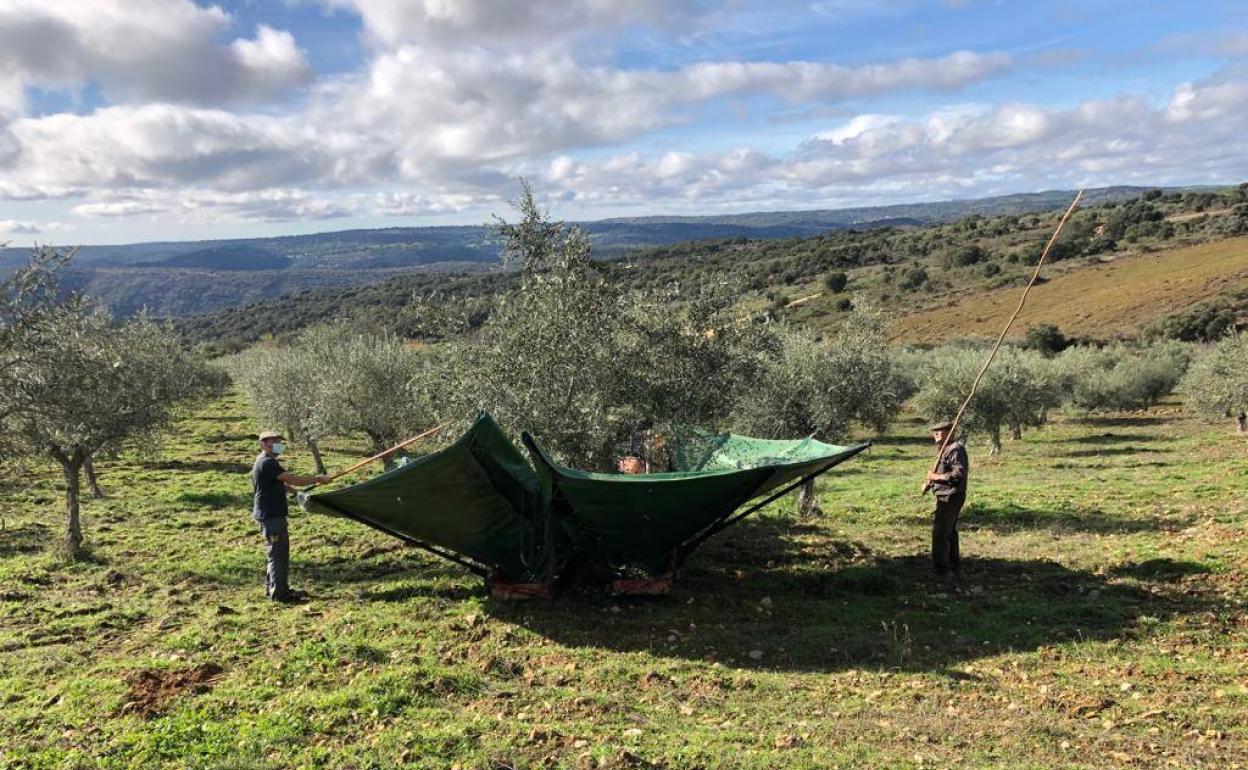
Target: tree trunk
316 457
807 504
93 483
1016 431
1241 422
378 447
994 438
71 466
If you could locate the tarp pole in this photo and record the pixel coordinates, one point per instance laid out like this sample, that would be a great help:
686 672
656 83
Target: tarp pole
477 568
730 520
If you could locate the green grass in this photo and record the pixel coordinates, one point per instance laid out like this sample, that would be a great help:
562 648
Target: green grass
1101 623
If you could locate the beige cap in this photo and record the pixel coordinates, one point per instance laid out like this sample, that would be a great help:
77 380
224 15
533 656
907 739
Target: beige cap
268 434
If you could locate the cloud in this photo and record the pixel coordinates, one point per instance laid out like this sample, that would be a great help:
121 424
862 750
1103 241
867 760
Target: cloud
11 227
450 23
448 115
168 146
143 50
118 209
971 150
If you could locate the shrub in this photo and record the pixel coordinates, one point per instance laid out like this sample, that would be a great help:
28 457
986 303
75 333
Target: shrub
1046 339
964 256
913 278
835 282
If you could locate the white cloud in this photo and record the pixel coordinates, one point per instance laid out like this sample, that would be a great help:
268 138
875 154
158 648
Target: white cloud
141 50
394 22
11 227
118 209
951 152
167 146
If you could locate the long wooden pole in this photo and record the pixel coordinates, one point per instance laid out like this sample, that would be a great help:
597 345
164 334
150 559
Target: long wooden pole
1001 338
391 450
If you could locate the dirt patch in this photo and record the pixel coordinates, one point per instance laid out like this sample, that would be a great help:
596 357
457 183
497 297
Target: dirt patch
151 690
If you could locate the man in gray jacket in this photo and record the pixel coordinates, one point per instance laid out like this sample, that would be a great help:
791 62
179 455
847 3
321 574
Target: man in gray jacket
269 482
948 483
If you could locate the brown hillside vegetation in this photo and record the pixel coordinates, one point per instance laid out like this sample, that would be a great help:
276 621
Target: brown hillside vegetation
1101 301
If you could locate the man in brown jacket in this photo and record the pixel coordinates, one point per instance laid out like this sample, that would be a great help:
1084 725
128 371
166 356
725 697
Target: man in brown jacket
948 483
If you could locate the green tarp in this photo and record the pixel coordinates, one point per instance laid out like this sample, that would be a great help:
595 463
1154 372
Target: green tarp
480 502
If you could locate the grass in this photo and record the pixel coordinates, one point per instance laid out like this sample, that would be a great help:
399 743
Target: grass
1101 624
1115 298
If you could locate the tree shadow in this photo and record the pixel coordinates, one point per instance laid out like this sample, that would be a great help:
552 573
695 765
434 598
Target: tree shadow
1163 570
197 466
766 597
922 439
1122 421
1117 438
1007 517
216 500
25 538
1112 451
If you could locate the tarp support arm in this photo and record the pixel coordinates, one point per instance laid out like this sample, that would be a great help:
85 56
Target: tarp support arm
473 566
726 522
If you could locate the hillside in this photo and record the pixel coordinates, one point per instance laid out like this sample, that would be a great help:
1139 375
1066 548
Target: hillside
132 276
906 270
1108 299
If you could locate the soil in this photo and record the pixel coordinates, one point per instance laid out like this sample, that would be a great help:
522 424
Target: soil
151 690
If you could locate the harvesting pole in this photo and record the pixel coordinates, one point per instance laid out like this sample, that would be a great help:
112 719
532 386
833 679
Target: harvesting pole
389 451
957 419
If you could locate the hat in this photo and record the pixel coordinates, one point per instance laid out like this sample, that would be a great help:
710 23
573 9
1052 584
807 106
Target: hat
268 434
946 425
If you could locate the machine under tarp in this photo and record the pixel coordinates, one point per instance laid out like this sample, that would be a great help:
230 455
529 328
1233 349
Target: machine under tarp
635 526
481 503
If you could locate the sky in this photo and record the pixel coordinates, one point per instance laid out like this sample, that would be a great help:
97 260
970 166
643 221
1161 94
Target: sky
137 120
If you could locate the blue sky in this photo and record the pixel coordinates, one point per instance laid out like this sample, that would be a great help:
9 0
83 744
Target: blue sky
129 120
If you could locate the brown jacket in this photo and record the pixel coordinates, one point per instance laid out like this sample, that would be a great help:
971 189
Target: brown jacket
954 462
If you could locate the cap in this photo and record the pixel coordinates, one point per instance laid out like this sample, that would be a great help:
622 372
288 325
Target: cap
268 434
946 425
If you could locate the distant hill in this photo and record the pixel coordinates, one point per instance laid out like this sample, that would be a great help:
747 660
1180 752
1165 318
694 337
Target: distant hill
1118 269
233 256
185 278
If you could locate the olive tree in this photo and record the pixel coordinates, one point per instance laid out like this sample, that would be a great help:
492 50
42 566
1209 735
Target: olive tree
1118 377
76 385
574 359
1216 385
281 390
361 382
1018 389
812 387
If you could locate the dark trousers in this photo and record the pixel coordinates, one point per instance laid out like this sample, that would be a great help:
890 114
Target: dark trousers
945 556
277 548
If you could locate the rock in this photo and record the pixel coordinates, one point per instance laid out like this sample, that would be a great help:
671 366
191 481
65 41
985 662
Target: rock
756 654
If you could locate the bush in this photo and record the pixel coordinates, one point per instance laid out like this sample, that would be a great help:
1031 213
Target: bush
835 282
913 278
1046 339
964 256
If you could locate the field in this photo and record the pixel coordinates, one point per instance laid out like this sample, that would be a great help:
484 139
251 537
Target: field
1112 299
1101 623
